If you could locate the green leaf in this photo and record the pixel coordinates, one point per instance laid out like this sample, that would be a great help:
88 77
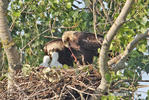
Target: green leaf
99 50
68 5
148 93
108 77
144 20
142 48
16 14
56 1
129 73
65 66
147 68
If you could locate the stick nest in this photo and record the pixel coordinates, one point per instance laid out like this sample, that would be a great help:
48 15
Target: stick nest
53 84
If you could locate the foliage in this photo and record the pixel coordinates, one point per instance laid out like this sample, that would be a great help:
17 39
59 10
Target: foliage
28 19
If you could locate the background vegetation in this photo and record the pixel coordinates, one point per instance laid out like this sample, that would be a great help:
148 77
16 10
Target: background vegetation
35 22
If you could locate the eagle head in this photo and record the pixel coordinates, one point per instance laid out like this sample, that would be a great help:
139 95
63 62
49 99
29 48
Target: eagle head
67 37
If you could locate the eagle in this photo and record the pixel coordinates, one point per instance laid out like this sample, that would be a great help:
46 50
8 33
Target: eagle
54 62
85 43
74 47
64 55
45 62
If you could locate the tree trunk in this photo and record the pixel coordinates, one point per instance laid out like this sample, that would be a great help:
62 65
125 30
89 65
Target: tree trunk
1 57
8 44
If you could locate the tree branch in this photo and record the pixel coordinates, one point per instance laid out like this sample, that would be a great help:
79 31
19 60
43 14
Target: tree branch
114 60
129 48
104 11
95 19
106 44
34 39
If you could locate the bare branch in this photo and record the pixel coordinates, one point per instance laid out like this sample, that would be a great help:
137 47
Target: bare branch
106 44
128 49
114 60
104 10
79 91
143 86
34 39
71 27
95 19
90 3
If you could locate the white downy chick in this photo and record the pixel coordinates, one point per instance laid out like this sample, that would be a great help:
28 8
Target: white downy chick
55 62
46 60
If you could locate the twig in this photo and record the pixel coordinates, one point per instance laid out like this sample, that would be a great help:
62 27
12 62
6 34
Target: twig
34 39
114 60
111 2
51 25
34 91
78 1
142 86
98 13
87 87
81 95
94 17
71 27
127 80
72 95
39 92
94 20
104 10
20 89
70 87
51 37
143 80
62 92
89 5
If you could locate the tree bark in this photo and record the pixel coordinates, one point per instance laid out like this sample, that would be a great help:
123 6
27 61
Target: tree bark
103 59
121 63
1 57
8 44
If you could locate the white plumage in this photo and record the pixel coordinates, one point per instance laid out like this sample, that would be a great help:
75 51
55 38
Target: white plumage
46 60
55 62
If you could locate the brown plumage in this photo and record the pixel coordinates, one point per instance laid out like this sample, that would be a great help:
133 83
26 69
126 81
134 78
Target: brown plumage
65 55
84 43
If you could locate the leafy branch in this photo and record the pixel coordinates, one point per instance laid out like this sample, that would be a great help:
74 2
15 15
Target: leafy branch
103 61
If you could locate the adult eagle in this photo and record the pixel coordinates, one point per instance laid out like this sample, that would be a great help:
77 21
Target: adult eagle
84 43
64 54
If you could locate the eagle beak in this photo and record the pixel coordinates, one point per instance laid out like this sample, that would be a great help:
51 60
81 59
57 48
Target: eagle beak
66 43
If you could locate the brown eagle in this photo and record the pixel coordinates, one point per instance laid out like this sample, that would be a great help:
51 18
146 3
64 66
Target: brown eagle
75 46
64 54
84 42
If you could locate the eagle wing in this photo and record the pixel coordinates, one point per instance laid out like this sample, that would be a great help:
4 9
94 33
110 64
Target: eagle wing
88 41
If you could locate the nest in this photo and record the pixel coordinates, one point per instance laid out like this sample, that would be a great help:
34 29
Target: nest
53 84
